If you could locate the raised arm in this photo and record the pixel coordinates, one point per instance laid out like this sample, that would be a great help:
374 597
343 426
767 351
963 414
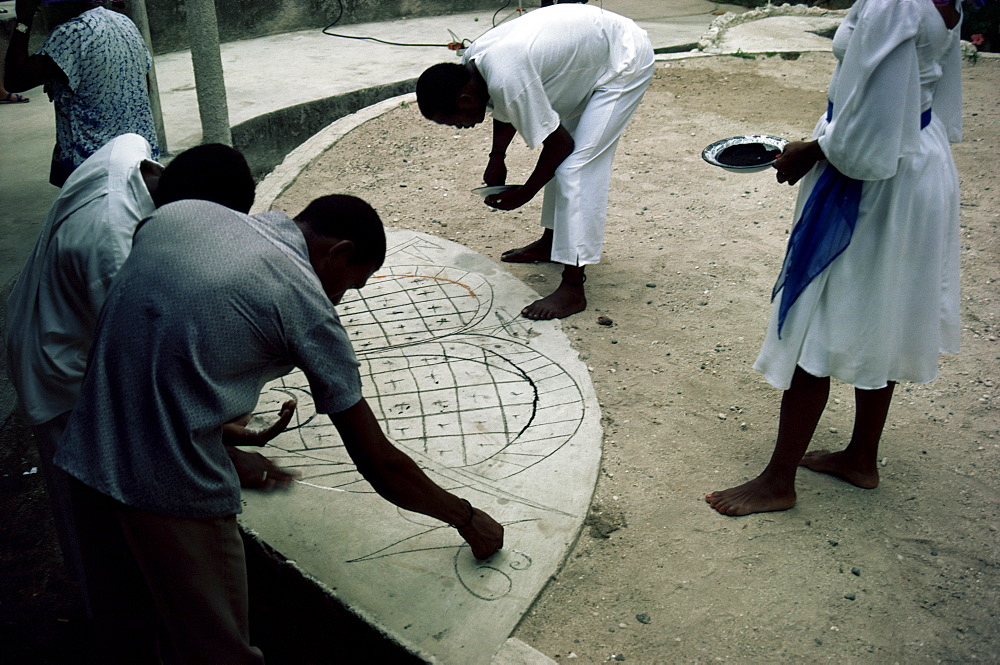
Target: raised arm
399 480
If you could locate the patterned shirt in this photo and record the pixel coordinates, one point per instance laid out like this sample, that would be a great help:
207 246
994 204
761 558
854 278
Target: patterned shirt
105 95
210 305
52 309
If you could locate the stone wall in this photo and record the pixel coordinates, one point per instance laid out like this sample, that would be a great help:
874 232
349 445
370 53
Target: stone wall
245 19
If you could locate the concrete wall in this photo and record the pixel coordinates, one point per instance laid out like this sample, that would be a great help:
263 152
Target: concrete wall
267 139
245 19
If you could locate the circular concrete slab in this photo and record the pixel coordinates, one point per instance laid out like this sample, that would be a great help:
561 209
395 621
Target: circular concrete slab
495 408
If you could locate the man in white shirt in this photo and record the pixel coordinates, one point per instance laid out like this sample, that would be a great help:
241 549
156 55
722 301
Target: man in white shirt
568 77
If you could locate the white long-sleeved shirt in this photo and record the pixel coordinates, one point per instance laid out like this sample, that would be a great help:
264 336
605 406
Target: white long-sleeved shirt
53 308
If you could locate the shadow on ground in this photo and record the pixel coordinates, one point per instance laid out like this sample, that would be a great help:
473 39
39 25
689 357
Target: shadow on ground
292 620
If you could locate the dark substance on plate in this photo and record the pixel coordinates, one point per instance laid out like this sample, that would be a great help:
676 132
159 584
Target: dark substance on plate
748 154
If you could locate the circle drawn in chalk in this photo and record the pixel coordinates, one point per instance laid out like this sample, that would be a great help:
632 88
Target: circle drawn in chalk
406 305
486 406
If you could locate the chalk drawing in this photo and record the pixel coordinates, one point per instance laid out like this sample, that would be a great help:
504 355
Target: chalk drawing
454 381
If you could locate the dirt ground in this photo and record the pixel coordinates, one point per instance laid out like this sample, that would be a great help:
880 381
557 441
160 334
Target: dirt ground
905 573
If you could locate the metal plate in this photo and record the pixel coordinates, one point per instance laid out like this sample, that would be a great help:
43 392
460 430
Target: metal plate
711 153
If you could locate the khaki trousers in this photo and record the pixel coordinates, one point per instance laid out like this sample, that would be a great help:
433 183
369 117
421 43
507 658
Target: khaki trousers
164 589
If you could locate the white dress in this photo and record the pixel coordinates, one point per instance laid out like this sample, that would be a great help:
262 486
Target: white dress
889 304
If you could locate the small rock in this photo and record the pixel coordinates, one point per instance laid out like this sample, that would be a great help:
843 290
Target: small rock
642 617
883 461
604 321
721 416
856 571
833 543
619 657
651 285
849 596
934 553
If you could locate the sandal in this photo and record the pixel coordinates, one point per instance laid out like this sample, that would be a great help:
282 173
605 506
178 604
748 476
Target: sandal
14 98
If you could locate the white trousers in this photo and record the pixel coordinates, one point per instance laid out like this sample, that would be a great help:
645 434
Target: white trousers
575 205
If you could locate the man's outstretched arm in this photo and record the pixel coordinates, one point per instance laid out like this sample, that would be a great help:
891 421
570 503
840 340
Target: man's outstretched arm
399 480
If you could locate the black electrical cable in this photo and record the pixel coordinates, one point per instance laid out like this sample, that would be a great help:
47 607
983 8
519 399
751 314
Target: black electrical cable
505 5
340 14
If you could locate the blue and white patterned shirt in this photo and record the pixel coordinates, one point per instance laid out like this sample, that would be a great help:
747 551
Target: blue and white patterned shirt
210 305
105 62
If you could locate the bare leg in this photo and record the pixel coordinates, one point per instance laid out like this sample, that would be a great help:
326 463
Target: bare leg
774 489
567 299
858 463
7 97
540 250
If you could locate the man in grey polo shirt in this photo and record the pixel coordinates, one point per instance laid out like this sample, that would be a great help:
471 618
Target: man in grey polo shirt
210 305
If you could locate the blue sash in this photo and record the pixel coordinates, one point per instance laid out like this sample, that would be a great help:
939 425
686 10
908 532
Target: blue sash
822 232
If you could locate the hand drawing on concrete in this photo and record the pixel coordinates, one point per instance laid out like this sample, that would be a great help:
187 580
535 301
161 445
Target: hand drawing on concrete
456 383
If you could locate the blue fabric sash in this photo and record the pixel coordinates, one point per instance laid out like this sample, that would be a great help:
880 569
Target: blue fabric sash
822 232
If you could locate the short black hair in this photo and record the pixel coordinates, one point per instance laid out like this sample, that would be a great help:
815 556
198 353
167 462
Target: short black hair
210 172
438 88
347 217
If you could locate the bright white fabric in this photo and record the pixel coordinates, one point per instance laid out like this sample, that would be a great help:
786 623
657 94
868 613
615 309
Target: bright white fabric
586 68
210 305
576 199
543 66
105 62
889 304
52 310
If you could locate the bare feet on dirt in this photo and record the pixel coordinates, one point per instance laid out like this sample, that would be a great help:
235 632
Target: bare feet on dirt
837 464
566 300
536 252
756 496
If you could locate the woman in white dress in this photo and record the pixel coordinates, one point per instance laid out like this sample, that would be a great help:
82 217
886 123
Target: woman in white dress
869 291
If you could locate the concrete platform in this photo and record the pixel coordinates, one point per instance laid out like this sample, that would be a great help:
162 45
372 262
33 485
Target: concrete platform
493 407
496 408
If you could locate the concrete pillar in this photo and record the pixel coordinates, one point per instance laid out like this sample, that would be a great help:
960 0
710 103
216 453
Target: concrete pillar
203 33
136 10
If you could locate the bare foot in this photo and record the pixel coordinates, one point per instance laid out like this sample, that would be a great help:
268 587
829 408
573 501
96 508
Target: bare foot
756 496
540 250
566 300
837 464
